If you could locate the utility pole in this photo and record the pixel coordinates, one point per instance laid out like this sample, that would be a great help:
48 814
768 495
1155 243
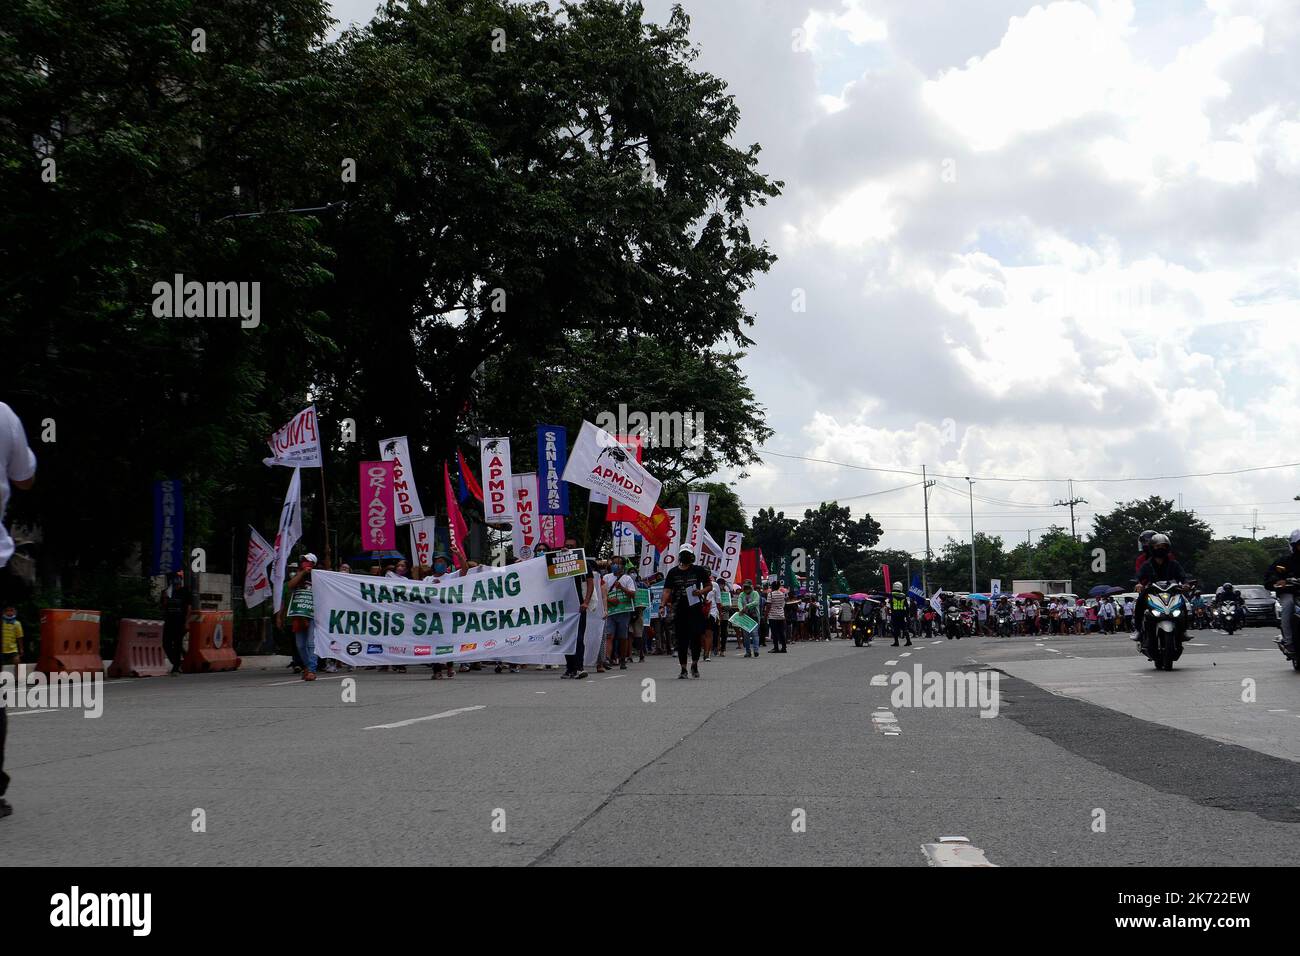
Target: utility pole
970 485
1071 502
925 561
1254 528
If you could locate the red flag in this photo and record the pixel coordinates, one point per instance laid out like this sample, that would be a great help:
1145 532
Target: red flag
884 569
655 528
748 565
762 565
467 476
456 521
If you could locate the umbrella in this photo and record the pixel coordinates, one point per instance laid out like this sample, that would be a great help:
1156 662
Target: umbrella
1103 590
1029 595
858 597
377 556
840 597
978 597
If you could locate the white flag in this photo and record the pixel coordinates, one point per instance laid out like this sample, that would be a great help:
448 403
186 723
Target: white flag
710 554
498 488
405 497
257 584
423 537
697 512
290 530
297 444
668 558
598 462
524 531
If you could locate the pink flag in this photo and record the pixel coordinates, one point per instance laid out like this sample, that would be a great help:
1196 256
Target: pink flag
456 521
552 530
378 523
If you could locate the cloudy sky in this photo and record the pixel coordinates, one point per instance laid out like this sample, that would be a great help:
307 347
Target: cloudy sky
1032 241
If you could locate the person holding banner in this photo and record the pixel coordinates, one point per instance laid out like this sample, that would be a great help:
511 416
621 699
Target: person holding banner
585 585
620 591
299 611
687 588
443 568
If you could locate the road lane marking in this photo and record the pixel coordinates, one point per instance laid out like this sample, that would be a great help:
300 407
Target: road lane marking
880 680
891 663
299 680
908 654
416 720
28 713
885 723
954 851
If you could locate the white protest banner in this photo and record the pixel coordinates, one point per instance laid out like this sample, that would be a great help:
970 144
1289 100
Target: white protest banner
646 563
423 540
599 463
697 512
668 558
525 531
731 546
257 583
297 444
405 497
498 489
287 535
624 539
516 613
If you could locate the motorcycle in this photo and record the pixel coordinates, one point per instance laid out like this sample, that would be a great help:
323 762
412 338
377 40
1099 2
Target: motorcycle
864 629
1291 584
952 624
1004 623
1226 617
1164 624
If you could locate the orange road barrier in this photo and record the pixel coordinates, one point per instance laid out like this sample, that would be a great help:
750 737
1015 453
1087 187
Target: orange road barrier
139 650
69 642
212 643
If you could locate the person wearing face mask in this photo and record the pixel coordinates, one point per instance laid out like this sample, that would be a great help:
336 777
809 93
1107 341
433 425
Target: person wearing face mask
748 605
442 568
620 596
687 587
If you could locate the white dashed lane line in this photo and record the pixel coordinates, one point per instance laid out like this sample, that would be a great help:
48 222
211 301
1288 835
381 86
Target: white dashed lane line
416 720
954 851
891 663
885 723
880 680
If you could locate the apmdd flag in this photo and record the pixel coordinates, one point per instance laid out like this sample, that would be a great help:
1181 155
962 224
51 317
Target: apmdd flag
516 613
599 463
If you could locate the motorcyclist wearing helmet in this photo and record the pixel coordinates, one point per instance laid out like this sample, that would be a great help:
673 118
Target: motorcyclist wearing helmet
1279 572
1144 550
1161 565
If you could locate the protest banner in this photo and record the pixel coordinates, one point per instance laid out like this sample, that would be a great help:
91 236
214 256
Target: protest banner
378 529
517 613
668 554
731 556
424 538
524 528
287 534
743 621
570 563
697 512
405 497
552 454
498 488
551 530
457 530
168 527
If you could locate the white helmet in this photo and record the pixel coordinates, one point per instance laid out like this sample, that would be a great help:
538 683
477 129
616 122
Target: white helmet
1295 537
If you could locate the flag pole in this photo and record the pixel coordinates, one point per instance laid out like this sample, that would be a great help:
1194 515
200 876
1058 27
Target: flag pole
325 511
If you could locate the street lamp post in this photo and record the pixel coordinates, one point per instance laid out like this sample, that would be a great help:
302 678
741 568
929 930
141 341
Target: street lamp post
970 485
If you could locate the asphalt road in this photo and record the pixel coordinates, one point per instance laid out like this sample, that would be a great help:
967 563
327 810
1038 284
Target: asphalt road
1094 758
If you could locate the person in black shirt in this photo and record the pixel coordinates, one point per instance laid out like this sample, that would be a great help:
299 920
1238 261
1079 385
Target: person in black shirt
1161 566
684 582
176 602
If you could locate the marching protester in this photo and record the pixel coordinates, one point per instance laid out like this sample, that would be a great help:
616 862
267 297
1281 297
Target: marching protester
17 470
749 605
687 588
620 594
775 617
298 610
176 603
